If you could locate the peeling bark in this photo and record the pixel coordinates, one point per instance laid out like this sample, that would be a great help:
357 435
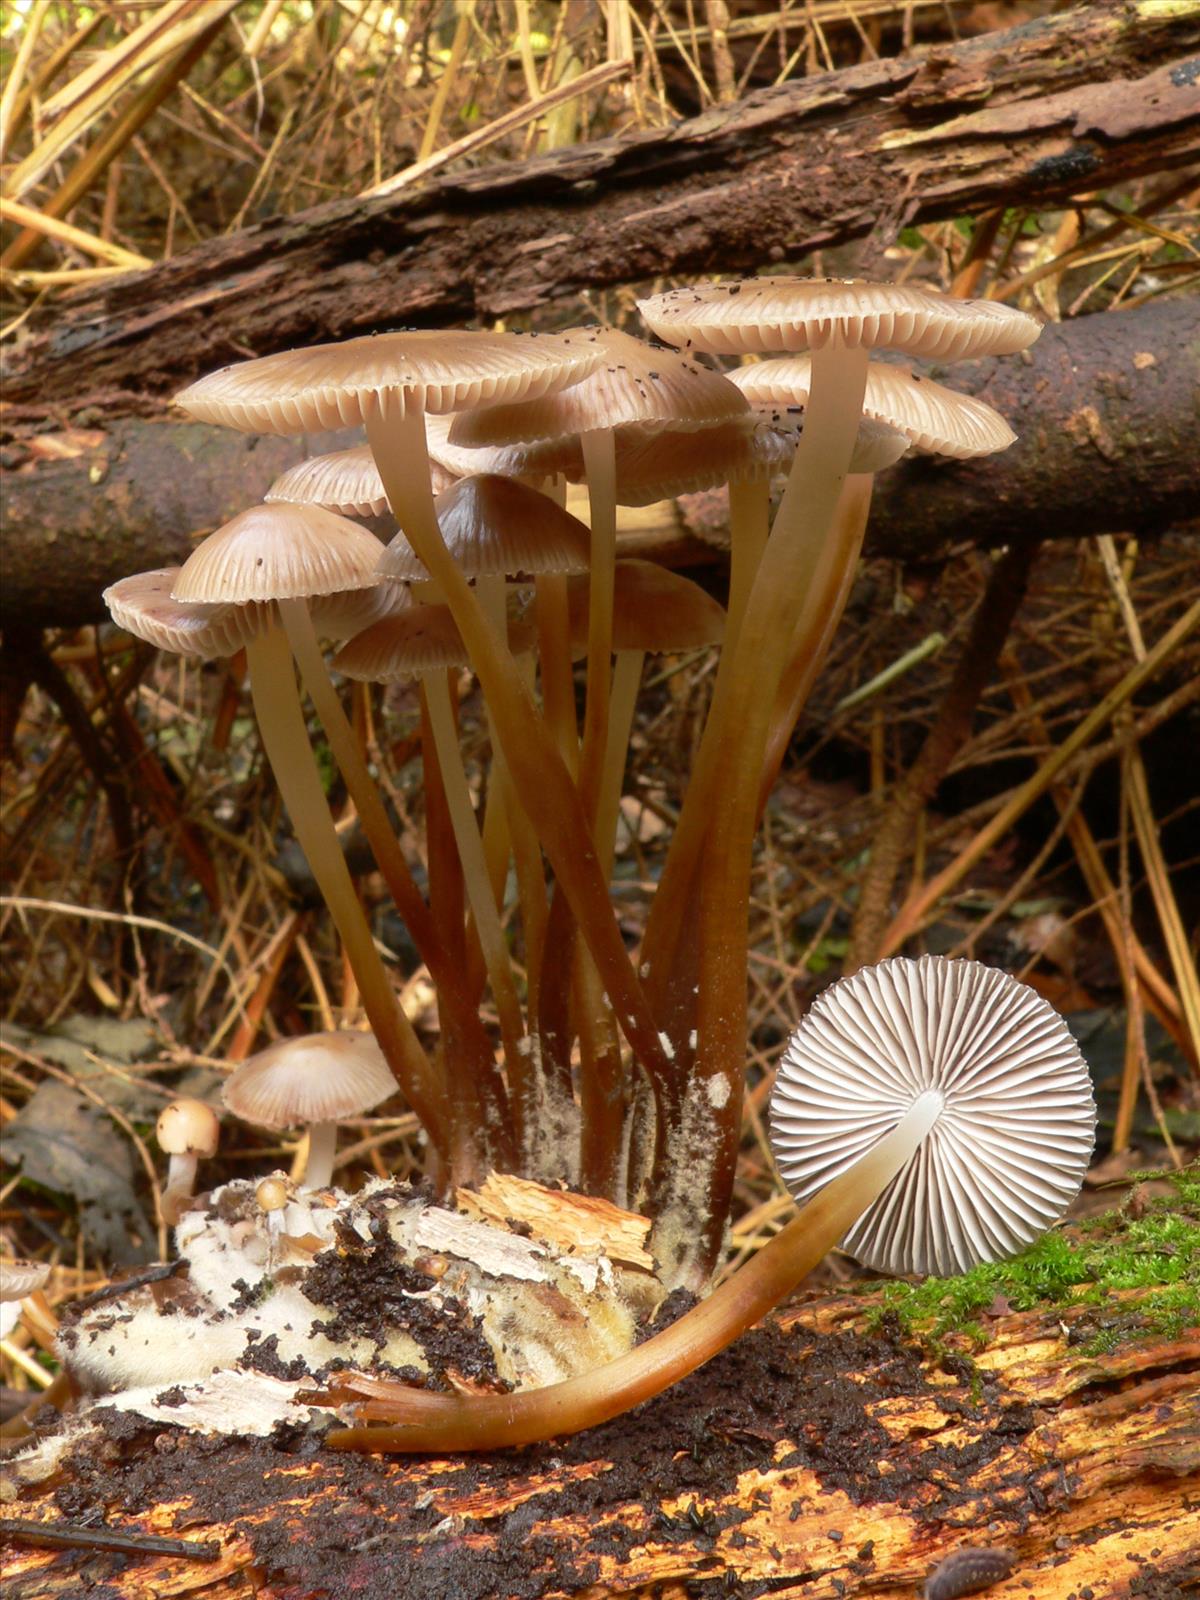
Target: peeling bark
1033 114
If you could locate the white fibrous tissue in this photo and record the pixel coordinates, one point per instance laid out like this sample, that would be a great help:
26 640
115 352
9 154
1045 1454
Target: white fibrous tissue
258 1314
719 1090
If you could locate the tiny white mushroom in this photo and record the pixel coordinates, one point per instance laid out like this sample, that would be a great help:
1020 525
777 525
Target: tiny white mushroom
187 1130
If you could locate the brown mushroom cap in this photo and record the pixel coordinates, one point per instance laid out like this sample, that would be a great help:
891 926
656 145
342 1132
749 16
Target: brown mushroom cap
424 638
346 481
341 616
654 609
634 384
495 526
772 314
280 552
340 385
541 460
321 1077
936 419
142 605
188 1127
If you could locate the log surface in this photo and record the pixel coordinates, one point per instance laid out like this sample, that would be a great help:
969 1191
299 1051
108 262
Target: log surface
814 1460
1064 104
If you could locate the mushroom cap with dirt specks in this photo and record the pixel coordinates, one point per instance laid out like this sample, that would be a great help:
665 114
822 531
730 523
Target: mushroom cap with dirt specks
21 1278
937 420
1011 1144
497 526
345 481
187 1127
776 314
279 552
319 1077
143 606
341 385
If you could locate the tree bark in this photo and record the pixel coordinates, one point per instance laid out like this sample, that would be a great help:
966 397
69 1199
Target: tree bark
1105 406
814 1460
1069 102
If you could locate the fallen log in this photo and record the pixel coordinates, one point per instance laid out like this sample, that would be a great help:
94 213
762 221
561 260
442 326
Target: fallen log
1105 407
1030 115
817 1459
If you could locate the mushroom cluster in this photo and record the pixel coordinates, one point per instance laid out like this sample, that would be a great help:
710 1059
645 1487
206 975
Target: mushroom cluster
621 1071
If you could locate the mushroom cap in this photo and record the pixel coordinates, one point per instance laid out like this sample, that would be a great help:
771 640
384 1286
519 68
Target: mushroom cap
142 605
654 609
346 481
280 552
187 1127
633 383
775 314
936 419
497 526
21 1278
320 1077
658 465
423 638
341 616
1013 1140
540 460
340 385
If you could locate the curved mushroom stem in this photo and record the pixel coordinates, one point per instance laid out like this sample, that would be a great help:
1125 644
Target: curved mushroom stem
285 739
627 677
600 465
322 1149
495 1422
749 524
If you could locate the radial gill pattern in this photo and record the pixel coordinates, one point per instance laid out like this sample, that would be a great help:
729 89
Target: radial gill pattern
1012 1143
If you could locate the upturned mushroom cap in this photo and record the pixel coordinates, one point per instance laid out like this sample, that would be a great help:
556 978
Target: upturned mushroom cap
1011 1143
654 609
188 1127
424 638
769 314
934 418
340 385
495 526
21 1278
347 481
142 605
279 552
633 384
321 1077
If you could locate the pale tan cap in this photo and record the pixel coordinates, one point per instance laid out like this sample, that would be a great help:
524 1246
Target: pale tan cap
541 460
280 552
341 616
21 1278
420 640
346 481
772 314
320 1077
340 385
187 1127
658 466
498 527
142 605
654 609
634 384
937 420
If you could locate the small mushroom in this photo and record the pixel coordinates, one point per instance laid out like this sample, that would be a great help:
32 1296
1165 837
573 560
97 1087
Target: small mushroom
18 1280
187 1130
315 1081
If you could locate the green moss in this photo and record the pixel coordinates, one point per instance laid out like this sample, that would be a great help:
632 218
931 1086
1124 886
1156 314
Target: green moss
1157 1251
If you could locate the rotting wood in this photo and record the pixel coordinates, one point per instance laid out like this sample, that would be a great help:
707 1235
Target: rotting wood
1105 407
816 1458
1034 114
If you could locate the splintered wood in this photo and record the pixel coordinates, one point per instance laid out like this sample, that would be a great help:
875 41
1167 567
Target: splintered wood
816 1460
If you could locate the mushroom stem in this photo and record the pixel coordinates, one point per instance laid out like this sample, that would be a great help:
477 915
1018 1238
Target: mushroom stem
181 1180
496 1422
554 651
544 784
627 677
475 872
322 1148
285 739
600 466
749 524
